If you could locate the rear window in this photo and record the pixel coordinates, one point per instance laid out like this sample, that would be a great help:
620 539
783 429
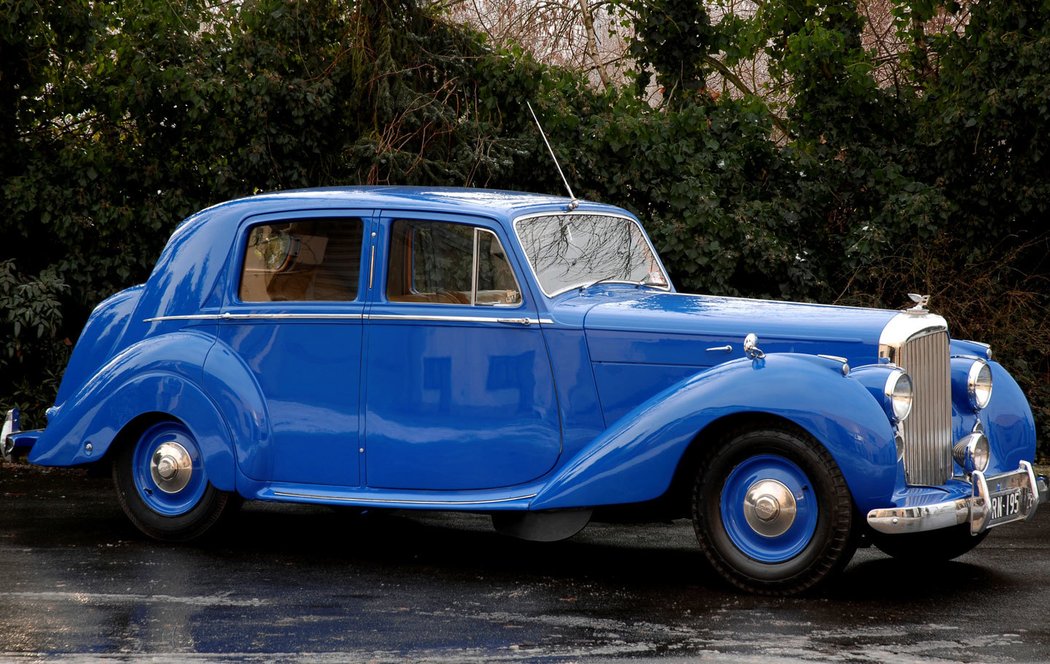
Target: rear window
302 260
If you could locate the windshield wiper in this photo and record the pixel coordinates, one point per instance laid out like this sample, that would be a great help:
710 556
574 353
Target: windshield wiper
588 284
617 279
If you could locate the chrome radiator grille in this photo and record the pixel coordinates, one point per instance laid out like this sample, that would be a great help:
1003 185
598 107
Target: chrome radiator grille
928 430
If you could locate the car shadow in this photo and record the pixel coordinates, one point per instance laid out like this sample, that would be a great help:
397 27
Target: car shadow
81 513
465 545
876 577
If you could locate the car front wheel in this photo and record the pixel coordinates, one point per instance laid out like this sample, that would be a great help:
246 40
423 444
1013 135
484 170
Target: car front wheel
163 487
772 512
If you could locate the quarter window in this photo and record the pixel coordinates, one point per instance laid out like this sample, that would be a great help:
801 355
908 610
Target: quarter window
307 260
446 263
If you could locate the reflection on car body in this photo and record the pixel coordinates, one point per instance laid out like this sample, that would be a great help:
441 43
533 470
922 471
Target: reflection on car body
518 355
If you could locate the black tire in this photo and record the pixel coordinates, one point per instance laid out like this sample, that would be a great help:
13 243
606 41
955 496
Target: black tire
167 516
817 542
933 546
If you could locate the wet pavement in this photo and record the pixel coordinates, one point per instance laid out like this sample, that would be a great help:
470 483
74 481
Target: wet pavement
285 583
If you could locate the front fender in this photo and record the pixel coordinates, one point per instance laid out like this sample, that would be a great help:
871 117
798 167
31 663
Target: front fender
636 458
158 375
1008 423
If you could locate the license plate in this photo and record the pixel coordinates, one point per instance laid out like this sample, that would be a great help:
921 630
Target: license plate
1004 507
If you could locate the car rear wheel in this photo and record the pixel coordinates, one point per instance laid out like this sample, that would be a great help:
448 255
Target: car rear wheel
162 485
772 512
929 547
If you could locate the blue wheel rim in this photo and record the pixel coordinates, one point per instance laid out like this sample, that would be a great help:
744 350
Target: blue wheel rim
763 548
158 500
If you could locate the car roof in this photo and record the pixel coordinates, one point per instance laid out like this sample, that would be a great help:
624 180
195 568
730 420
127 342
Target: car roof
501 204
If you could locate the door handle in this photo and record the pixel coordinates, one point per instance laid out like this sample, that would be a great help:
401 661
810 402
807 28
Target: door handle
514 321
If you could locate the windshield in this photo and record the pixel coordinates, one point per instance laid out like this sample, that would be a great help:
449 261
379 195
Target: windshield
577 250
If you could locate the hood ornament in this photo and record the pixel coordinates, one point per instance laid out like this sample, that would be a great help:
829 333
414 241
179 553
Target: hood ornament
920 304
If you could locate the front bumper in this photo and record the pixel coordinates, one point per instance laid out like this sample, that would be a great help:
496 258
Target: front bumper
993 501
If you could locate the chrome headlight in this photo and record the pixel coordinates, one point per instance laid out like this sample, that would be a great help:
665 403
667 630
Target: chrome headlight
979 384
899 391
972 453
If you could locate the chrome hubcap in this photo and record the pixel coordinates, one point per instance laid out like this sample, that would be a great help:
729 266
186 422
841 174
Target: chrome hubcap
769 508
171 467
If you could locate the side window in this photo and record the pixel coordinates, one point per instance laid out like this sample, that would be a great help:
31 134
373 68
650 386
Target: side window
445 263
303 260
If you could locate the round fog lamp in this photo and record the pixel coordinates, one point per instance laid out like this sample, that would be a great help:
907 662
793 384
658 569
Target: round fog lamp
972 453
979 384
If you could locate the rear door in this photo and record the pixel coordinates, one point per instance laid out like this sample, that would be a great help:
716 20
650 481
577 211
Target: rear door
295 320
459 389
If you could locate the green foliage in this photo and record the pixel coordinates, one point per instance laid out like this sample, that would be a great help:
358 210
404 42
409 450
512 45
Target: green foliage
673 38
119 119
711 187
30 357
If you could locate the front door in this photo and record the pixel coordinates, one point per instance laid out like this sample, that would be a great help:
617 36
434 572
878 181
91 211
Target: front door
459 389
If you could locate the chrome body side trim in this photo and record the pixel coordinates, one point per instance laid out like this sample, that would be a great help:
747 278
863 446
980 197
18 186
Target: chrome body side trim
273 316
323 316
459 319
163 319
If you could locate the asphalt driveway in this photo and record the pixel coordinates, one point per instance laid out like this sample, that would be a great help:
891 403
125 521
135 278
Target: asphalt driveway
305 583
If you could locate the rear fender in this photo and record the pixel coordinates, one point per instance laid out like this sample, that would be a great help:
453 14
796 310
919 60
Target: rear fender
636 458
99 340
155 376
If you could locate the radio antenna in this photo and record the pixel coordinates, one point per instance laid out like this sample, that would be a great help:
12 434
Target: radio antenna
573 203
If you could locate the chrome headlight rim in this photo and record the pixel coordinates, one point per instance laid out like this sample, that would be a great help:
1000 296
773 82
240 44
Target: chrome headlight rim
899 390
979 384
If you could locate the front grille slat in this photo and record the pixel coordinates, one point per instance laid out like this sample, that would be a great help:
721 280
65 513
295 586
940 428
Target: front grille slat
928 431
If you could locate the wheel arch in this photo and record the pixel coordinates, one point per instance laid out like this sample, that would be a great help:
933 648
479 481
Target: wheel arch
134 428
139 402
716 432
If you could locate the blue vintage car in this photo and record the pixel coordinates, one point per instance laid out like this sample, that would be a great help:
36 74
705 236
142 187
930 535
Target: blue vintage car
526 356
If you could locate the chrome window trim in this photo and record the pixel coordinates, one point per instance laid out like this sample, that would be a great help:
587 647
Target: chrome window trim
362 215
474 266
587 213
477 231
